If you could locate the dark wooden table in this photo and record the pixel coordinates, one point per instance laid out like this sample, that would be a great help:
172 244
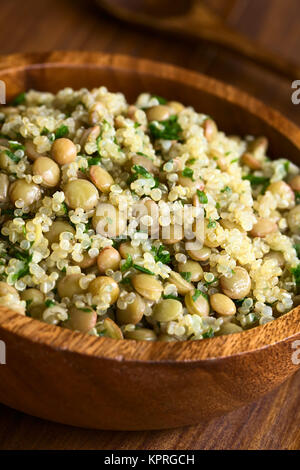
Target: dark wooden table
274 421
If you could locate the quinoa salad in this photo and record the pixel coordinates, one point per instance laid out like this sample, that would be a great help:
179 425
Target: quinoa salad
142 221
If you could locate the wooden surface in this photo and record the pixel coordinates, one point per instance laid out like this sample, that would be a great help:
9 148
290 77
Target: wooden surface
195 20
271 423
62 24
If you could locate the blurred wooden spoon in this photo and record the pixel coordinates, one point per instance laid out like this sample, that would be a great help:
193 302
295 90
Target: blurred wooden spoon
194 19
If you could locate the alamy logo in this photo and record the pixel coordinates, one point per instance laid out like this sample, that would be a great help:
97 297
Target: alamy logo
296 94
2 352
2 92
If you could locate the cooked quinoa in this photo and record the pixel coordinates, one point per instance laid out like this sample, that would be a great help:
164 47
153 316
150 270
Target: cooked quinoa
76 250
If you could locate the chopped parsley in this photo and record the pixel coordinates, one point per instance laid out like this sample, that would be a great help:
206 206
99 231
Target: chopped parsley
160 99
173 297
297 196
49 303
28 302
64 207
211 223
19 99
11 213
208 283
161 254
14 145
94 161
297 248
186 276
166 130
20 255
209 334
287 165
126 281
227 189
102 333
197 294
86 310
45 131
257 180
296 274
239 302
25 258
202 197
128 263
188 172
12 156
234 160
23 271
191 161
142 269
140 170
141 154
62 131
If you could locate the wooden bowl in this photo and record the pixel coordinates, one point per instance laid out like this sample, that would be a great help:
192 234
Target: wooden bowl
86 381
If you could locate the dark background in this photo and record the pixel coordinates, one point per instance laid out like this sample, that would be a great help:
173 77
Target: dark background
40 25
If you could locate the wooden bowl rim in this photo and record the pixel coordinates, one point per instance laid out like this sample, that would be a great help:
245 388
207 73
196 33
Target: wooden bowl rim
285 328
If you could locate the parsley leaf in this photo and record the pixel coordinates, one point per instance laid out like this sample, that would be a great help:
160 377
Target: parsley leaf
297 248
202 197
21 273
188 172
140 170
197 294
19 99
208 334
142 155
239 302
14 145
64 207
94 161
174 297
62 131
49 303
257 181
45 131
161 254
211 223
126 281
102 333
28 302
227 189
127 264
160 99
166 130
12 156
142 269
296 274
208 283
287 165
186 276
